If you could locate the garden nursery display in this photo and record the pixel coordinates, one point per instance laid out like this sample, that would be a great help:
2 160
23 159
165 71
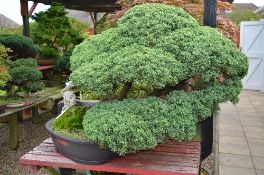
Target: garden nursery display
19 72
157 74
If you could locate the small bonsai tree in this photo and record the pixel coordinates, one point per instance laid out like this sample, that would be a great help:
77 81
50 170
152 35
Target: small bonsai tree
53 32
22 47
25 75
159 73
4 74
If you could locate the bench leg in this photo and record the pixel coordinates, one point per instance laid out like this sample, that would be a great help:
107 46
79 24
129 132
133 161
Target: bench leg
67 171
34 110
13 136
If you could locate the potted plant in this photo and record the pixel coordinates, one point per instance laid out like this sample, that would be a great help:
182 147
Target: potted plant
25 79
53 33
157 75
4 75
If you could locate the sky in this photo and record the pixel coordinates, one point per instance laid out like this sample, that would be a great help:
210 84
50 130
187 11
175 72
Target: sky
11 8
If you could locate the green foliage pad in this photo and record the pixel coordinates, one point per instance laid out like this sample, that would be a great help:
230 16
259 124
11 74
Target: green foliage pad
161 51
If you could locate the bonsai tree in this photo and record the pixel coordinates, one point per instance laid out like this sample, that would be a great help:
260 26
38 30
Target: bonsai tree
22 47
4 74
158 73
25 75
53 32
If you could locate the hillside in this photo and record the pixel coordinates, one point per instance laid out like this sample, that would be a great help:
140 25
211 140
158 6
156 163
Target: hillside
5 22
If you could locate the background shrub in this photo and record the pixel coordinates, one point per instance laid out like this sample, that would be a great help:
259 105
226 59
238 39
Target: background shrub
53 32
62 63
22 47
25 75
4 74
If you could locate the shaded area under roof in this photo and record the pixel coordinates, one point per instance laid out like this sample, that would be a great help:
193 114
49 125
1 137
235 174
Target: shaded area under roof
86 5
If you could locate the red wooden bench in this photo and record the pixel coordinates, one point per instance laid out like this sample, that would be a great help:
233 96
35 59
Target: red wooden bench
42 68
171 158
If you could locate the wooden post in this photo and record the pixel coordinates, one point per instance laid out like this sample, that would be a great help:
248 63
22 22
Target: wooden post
25 17
95 20
210 13
13 139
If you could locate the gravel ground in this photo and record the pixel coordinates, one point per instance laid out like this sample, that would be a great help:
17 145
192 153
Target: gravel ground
30 136
208 164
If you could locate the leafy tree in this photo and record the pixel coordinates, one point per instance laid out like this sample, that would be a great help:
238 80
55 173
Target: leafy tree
54 33
159 73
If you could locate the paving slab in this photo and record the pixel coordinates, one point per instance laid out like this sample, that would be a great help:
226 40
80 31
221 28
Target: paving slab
234 149
260 172
257 149
235 160
240 134
259 162
233 140
228 170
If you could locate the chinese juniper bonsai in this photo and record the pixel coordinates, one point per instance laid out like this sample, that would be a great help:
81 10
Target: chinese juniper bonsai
158 74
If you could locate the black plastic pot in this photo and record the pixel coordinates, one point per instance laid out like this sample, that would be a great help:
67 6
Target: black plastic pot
79 151
206 132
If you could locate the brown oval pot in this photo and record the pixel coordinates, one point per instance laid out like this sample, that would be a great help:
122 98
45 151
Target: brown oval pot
45 62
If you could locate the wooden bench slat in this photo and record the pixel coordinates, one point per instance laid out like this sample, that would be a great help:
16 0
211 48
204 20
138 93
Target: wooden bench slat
171 158
113 166
191 161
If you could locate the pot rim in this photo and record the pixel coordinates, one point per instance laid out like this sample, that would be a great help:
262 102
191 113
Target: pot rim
55 133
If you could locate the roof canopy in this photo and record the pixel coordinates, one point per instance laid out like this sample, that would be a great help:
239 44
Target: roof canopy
86 5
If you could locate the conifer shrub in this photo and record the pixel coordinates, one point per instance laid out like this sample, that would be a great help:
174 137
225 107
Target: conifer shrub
53 32
25 75
21 46
159 72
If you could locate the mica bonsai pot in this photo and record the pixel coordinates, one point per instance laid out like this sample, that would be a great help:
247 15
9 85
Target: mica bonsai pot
80 151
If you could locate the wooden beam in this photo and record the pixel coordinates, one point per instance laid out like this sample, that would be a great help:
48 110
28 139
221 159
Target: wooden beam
25 17
32 8
92 17
210 13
